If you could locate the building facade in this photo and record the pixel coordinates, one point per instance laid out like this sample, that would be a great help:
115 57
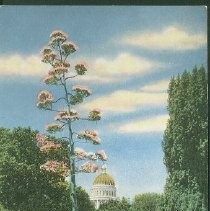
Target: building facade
103 189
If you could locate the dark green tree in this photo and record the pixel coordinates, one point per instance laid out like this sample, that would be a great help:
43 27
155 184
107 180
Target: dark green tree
84 203
23 185
185 142
115 205
146 202
178 197
198 131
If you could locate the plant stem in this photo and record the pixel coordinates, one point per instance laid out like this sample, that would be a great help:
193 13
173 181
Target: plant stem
71 143
71 152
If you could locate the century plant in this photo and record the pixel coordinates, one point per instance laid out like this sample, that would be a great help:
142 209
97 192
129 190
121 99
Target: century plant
56 54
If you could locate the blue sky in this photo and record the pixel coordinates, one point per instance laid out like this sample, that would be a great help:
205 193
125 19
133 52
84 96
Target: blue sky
131 51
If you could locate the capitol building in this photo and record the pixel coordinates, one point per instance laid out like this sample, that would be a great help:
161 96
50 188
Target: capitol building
103 189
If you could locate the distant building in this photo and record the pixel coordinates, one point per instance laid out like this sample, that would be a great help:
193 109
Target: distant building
103 189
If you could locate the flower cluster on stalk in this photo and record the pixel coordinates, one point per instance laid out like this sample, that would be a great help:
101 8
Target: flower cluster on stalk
59 63
81 154
56 167
57 38
66 115
59 70
82 90
90 135
92 156
51 79
102 155
45 99
81 69
45 144
50 146
53 127
89 167
80 93
68 48
41 138
94 115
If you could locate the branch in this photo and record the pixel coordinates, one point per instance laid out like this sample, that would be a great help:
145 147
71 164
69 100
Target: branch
59 49
61 121
75 133
81 141
64 124
57 59
71 77
70 94
60 80
84 119
61 98
78 160
64 137
50 109
65 58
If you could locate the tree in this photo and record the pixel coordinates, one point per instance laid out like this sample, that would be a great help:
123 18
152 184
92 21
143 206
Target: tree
185 142
124 204
23 186
56 55
146 202
84 203
113 205
181 193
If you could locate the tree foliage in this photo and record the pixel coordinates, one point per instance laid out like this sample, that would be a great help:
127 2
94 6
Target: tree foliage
146 202
84 203
23 186
2 208
114 205
185 142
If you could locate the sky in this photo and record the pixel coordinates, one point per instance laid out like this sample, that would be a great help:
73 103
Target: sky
131 53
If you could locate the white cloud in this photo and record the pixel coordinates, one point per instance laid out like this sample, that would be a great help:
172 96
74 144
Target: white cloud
22 65
101 70
91 78
170 38
123 101
123 66
126 101
160 86
154 124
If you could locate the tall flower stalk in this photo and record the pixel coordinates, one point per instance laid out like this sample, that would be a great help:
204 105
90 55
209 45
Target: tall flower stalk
56 55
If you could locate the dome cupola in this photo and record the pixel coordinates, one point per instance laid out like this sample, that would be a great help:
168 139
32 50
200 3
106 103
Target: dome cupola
104 179
103 188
